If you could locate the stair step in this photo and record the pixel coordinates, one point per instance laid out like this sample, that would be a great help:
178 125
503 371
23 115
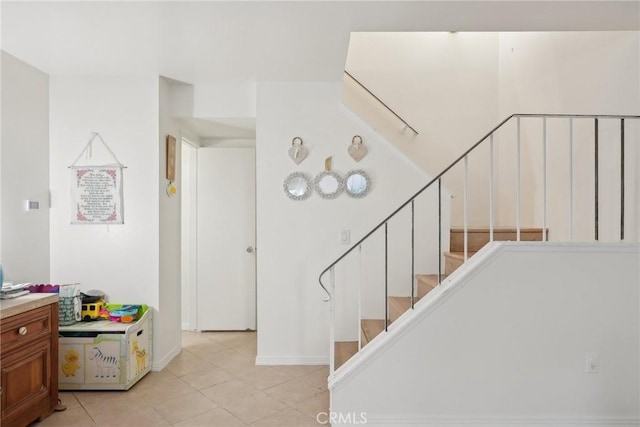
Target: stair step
397 306
453 260
370 329
478 237
343 351
426 283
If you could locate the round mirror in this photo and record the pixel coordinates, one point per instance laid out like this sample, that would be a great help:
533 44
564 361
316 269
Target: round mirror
297 186
329 184
358 183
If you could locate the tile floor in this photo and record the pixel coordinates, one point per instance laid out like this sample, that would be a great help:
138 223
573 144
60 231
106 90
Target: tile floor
213 382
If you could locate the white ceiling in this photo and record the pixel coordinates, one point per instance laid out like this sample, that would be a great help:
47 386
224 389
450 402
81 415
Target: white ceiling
218 41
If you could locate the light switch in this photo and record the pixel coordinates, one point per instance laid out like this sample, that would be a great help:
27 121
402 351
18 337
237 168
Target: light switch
31 205
345 237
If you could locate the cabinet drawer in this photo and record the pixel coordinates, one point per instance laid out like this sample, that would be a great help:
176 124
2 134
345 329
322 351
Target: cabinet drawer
25 328
26 380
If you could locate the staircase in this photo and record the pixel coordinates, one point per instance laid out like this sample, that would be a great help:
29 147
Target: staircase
398 305
574 213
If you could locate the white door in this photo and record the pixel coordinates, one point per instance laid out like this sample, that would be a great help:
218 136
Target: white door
226 278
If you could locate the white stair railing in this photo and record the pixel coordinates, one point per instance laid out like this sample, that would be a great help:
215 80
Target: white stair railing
501 136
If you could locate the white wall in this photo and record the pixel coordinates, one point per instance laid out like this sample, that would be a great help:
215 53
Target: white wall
168 325
122 260
24 172
579 73
453 88
507 345
297 239
443 84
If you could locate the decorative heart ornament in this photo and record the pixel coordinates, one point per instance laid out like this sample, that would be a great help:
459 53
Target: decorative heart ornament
297 152
357 150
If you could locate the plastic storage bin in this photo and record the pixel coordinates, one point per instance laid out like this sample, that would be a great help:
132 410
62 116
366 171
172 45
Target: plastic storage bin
104 355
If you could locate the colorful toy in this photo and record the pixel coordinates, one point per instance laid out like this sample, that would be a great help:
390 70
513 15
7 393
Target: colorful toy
125 314
92 311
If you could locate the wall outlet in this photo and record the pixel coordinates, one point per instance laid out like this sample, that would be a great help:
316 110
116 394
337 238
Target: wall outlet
345 237
592 363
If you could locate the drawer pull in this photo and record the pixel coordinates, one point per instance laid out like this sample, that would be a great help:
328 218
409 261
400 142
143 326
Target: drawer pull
22 330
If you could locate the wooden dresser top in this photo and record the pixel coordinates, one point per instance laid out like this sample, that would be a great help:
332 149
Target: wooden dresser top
11 307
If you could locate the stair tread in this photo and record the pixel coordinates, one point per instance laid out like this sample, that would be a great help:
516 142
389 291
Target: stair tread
371 328
343 351
459 255
497 229
430 279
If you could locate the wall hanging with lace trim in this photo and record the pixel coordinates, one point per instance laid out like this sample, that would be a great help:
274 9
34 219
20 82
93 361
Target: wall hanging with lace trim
96 190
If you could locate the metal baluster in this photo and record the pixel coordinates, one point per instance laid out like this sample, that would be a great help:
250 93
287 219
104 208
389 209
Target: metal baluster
491 188
518 181
466 173
413 258
544 179
571 179
360 298
439 230
621 179
596 177
386 279
332 323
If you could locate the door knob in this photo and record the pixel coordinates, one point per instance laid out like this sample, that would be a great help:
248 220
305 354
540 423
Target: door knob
250 249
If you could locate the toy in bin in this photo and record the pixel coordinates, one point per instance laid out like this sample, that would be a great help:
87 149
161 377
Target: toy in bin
92 304
124 313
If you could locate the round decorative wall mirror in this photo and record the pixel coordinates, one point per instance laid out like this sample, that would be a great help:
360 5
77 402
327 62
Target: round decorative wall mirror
297 186
357 183
329 184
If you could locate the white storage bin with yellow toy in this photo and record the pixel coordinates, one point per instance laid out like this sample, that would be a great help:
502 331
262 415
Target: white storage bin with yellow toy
106 354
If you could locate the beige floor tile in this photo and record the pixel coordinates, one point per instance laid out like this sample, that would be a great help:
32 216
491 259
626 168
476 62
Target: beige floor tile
213 417
318 377
164 390
314 405
299 370
287 418
187 366
69 400
87 396
228 391
229 359
249 349
255 407
122 403
206 378
293 391
184 407
138 417
190 338
232 338
262 377
206 347
76 417
235 339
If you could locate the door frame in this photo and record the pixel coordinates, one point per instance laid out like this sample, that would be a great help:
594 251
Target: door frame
189 233
189 281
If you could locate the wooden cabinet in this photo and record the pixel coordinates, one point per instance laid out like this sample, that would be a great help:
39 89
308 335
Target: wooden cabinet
28 358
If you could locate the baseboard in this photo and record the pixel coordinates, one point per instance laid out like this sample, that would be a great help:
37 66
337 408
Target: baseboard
267 360
159 365
417 420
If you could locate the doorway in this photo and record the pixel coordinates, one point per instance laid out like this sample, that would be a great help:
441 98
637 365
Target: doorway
219 281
